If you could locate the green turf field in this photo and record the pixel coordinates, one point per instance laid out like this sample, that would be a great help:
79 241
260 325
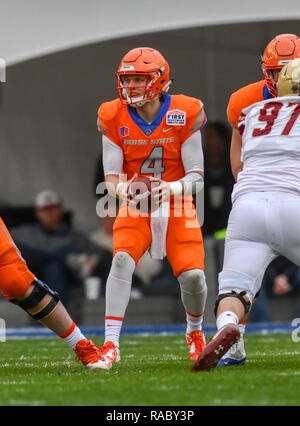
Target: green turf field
154 371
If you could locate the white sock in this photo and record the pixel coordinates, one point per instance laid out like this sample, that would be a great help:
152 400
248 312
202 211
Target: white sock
225 318
242 327
113 327
194 322
73 336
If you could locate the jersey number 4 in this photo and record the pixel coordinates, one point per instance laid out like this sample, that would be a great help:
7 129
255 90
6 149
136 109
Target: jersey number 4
153 165
269 114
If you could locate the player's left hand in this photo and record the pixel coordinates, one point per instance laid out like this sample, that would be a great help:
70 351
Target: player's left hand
160 191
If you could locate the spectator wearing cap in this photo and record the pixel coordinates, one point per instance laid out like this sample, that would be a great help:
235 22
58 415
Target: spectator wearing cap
56 252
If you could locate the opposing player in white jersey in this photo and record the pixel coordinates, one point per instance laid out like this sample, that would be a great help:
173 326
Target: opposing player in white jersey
264 222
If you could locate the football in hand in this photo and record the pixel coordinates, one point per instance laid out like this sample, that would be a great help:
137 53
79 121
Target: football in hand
140 192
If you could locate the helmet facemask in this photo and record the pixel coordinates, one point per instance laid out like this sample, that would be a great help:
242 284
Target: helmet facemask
271 81
271 76
150 87
135 94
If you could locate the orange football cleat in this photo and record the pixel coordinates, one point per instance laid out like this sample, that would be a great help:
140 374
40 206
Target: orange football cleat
89 354
110 353
196 343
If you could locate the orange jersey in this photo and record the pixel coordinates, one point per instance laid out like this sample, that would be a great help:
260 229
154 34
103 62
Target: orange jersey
152 149
244 97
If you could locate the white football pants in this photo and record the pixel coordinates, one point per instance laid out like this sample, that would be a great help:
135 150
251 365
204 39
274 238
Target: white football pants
261 226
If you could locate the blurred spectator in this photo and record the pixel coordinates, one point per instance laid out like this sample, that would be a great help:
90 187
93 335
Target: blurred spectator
218 177
56 252
281 278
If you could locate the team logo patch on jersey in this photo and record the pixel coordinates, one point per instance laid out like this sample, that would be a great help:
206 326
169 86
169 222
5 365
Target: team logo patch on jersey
124 131
176 118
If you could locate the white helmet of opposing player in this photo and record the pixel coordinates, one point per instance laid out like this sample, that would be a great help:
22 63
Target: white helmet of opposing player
289 79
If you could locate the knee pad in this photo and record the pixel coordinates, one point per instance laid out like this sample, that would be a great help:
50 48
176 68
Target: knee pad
192 281
122 266
39 291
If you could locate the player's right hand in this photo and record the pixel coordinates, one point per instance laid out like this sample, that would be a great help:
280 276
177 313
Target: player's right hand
123 193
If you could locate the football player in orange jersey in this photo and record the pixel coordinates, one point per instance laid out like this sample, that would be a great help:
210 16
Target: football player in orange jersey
19 286
279 51
146 132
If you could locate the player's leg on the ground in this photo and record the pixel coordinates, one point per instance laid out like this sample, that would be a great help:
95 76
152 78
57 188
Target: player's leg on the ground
131 238
246 257
193 295
236 292
19 285
185 252
238 285
44 305
243 278
236 355
230 311
118 289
